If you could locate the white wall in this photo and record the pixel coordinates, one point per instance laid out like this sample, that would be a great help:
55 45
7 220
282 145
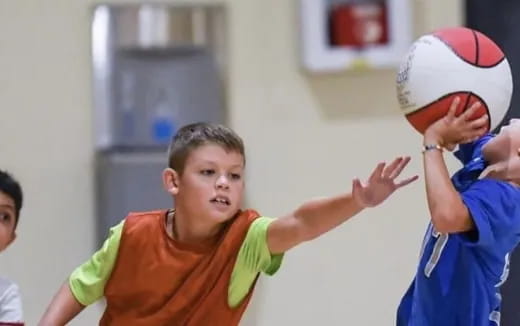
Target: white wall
306 136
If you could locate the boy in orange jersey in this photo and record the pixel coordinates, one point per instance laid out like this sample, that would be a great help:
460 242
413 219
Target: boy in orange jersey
197 264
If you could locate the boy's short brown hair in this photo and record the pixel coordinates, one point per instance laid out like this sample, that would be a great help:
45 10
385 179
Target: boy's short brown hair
198 134
11 187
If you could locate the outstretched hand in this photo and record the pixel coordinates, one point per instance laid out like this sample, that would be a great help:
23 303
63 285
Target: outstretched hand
382 183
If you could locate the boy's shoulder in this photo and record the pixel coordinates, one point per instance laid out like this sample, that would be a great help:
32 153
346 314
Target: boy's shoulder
140 221
7 286
249 213
150 214
492 185
495 194
10 301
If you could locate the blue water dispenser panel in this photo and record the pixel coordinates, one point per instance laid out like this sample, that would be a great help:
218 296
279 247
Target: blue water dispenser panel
158 90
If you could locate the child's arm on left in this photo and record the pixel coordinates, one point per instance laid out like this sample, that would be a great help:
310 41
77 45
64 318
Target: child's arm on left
63 308
86 284
318 216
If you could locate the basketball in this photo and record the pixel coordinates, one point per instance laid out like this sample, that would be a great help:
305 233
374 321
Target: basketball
449 63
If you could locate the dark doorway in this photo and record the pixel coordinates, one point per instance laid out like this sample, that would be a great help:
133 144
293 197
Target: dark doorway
500 20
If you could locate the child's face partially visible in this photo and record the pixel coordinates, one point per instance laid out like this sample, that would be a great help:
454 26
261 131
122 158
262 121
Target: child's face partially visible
504 144
7 220
211 186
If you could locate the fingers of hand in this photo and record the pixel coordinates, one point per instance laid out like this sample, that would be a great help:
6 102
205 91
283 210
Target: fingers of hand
480 122
468 114
392 167
400 167
471 111
357 191
407 181
474 129
453 108
376 174
469 129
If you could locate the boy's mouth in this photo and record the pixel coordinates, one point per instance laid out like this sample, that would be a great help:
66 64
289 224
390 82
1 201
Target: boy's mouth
221 200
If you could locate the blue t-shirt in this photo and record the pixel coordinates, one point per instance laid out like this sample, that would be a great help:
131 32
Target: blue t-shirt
459 275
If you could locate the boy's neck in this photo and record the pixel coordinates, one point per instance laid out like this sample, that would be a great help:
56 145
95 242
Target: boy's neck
185 229
502 171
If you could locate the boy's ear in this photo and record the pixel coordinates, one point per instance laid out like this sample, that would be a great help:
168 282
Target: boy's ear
171 181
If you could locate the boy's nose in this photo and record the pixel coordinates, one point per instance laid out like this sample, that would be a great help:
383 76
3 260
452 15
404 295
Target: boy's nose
222 182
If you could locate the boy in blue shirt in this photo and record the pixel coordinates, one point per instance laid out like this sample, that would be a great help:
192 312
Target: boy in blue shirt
475 224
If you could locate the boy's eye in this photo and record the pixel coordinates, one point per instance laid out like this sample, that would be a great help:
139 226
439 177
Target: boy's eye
5 217
235 176
207 172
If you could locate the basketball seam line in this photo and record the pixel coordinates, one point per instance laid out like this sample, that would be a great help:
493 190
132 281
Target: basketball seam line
476 47
467 61
467 102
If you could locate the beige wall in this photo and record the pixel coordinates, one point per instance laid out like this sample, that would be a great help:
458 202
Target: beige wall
306 135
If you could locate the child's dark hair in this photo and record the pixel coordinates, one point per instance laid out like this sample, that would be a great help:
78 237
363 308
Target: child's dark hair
11 187
195 135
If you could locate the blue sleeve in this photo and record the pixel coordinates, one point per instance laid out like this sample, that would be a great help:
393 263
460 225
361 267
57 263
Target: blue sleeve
468 152
494 207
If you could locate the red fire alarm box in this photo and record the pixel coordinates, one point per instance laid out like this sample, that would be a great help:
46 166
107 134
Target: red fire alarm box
340 35
359 24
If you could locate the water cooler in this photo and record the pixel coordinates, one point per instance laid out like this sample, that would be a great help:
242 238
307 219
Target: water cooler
155 68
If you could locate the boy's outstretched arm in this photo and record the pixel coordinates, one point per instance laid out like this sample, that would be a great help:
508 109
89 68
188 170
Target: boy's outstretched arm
62 309
318 216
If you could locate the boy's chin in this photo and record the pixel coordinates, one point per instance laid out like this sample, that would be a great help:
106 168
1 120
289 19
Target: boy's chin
492 152
222 217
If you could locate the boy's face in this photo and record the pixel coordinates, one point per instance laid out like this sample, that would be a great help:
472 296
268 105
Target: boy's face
7 221
211 186
505 144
